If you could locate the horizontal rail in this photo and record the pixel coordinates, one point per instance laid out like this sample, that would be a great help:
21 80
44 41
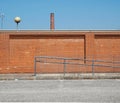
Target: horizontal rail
62 58
93 62
80 64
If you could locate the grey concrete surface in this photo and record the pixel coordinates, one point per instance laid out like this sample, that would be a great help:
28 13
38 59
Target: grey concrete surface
60 91
60 76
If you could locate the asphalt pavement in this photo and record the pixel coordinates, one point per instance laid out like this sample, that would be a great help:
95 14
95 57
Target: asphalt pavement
103 90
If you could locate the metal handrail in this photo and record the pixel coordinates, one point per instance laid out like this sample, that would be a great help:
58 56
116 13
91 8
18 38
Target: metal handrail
88 60
73 63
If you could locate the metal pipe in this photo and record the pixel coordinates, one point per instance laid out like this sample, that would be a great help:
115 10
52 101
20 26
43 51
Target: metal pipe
92 67
39 59
64 66
54 57
34 66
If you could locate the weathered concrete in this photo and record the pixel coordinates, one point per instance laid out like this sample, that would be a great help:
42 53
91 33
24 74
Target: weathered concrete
60 91
60 76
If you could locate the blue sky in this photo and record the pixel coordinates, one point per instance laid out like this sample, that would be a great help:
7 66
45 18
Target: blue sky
69 14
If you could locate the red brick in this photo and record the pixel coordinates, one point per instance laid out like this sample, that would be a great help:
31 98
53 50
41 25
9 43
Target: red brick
18 49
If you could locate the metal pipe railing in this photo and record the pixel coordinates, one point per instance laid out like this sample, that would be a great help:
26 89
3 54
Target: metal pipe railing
65 62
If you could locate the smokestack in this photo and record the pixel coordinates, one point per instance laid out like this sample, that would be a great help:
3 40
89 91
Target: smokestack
52 25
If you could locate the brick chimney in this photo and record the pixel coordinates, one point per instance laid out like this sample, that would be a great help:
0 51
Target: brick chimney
52 25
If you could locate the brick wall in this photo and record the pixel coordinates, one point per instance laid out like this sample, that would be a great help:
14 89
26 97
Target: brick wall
17 49
4 52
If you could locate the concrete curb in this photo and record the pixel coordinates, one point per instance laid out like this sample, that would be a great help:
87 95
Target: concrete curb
59 76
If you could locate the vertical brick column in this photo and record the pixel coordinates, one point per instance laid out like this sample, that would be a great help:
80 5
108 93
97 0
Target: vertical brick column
89 45
4 52
89 49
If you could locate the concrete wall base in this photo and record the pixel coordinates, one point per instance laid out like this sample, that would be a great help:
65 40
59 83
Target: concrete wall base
60 76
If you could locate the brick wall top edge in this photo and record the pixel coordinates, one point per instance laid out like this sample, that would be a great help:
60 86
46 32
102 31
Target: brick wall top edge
59 32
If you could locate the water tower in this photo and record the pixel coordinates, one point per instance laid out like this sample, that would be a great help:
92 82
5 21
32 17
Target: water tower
17 20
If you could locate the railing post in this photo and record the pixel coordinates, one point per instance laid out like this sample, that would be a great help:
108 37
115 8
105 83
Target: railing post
64 66
35 66
92 67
